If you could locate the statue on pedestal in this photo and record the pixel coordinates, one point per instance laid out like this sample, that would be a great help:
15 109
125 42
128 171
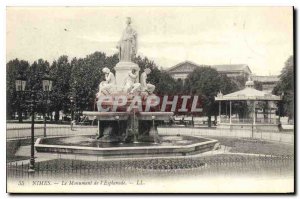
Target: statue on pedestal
146 87
106 87
131 83
123 91
127 45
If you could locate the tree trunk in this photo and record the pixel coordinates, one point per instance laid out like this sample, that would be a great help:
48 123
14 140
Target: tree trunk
8 115
193 121
209 121
20 116
216 118
56 116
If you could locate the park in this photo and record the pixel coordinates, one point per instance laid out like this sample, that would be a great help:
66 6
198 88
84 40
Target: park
119 120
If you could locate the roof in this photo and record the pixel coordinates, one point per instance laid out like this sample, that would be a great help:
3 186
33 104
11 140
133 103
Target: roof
247 94
192 64
219 68
272 78
232 67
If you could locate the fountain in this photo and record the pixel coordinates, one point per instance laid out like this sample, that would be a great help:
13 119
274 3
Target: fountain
128 115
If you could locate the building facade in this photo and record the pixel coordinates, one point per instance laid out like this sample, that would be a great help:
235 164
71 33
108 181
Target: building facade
183 69
268 82
234 70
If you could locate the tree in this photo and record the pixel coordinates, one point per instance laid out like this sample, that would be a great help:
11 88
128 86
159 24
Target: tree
144 63
258 85
227 85
285 86
61 73
206 82
37 71
240 81
86 76
79 78
164 83
14 101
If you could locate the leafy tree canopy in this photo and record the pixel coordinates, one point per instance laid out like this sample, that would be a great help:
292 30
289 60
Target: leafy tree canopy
285 87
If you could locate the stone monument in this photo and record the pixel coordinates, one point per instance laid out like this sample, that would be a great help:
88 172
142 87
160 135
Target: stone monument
125 125
127 47
122 123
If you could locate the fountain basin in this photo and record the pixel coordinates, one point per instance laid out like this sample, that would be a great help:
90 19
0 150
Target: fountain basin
154 116
169 146
106 116
128 126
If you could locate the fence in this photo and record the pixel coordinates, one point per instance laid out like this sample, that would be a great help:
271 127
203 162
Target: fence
18 131
186 166
250 121
262 134
24 131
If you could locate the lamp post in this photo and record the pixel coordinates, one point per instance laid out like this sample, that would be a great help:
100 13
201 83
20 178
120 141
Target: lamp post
20 85
20 88
47 87
72 111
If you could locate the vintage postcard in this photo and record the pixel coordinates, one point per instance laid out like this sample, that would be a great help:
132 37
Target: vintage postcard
150 100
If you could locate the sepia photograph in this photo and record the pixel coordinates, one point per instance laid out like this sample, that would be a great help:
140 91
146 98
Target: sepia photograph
150 99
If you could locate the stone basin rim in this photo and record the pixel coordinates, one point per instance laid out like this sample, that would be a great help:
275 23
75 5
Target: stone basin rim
96 113
37 144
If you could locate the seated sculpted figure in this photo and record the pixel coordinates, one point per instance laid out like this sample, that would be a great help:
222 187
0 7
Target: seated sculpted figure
131 83
106 87
146 87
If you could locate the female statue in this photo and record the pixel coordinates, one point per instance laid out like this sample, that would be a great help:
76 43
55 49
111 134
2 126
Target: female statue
128 43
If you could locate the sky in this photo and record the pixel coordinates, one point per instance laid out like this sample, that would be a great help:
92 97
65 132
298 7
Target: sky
261 37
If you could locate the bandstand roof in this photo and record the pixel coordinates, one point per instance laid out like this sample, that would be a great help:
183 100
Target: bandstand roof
248 93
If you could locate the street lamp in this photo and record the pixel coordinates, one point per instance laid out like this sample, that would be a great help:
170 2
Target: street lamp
72 111
47 87
20 87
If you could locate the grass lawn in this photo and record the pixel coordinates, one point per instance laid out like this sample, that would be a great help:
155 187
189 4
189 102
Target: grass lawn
16 158
12 147
246 145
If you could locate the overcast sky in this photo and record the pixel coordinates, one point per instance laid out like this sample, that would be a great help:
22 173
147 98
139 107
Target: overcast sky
261 37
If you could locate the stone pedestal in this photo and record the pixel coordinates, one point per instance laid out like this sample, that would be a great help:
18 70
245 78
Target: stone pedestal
122 69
